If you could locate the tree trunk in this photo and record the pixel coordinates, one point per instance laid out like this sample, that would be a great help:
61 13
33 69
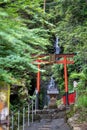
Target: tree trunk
44 5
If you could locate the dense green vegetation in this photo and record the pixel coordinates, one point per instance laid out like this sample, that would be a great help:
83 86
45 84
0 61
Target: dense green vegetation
26 29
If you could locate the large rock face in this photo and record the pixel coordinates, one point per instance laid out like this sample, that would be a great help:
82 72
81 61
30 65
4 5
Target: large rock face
75 125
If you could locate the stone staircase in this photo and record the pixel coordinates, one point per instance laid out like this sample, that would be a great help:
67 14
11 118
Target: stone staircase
49 119
50 114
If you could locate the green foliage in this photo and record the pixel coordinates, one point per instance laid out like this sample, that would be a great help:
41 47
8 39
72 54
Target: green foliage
22 34
58 102
82 101
78 76
25 30
59 76
4 1
18 41
70 26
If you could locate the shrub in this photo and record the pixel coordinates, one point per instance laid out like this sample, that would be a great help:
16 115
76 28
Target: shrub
82 101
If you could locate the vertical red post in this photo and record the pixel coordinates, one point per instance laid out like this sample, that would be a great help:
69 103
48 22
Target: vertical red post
66 79
38 78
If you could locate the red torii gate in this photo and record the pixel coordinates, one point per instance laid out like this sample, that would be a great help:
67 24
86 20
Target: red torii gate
53 59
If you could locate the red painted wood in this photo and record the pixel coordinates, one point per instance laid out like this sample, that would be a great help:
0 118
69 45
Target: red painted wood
65 74
38 78
63 62
56 62
71 98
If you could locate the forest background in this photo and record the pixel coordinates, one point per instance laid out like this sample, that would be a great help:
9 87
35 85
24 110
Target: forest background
30 27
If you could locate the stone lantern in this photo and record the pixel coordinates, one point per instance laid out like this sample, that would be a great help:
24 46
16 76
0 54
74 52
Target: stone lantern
52 93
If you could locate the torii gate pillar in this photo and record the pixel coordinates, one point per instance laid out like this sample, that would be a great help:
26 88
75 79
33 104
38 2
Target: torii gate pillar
66 79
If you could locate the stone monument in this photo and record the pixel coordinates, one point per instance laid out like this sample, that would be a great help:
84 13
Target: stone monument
52 93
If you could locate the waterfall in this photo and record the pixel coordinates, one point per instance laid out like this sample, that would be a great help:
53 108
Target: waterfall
57 48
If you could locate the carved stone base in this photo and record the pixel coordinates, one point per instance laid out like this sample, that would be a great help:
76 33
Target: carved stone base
52 104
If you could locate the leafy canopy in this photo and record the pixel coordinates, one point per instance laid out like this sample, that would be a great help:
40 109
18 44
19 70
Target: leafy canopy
18 40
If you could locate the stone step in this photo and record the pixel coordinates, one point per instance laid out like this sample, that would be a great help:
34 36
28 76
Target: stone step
47 126
47 111
44 128
52 115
